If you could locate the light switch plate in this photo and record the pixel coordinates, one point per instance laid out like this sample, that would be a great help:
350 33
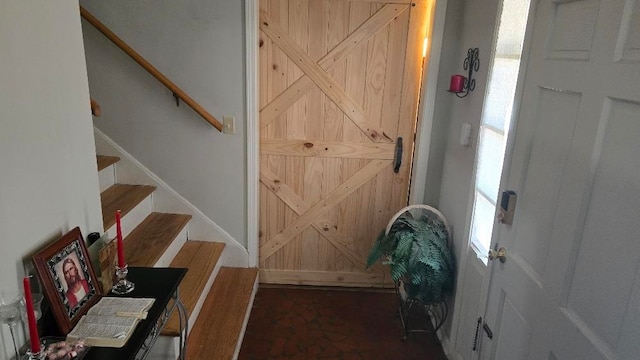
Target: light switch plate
228 125
465 134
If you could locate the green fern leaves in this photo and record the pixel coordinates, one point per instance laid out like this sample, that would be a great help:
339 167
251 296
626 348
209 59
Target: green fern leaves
418 255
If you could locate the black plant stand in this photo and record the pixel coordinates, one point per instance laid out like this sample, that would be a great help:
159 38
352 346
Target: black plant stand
430 316
436 313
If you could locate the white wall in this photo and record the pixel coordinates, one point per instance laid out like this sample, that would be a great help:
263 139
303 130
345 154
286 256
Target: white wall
469 24
477 27
199 45
449 64
49 182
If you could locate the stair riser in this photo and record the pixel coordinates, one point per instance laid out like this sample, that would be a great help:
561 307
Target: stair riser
168 348
246 319
167 345
203 296
166 199
165 348
107 177
173 249
133 218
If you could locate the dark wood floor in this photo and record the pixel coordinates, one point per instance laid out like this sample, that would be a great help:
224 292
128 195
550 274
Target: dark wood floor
308 323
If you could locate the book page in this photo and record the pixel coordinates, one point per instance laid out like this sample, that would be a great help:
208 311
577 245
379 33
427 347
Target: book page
108 327
134 307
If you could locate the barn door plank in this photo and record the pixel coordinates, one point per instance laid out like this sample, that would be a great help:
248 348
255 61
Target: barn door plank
300 87
345 189
325 82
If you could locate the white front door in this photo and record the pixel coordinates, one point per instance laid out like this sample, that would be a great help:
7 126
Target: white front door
570 287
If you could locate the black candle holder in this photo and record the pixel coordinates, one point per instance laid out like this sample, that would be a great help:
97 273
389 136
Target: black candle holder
123 286
471 64
35 356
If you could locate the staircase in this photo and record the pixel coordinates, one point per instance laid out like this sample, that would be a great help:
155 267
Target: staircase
217 298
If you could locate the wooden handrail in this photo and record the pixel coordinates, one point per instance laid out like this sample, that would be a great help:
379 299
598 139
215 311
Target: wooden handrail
177 92
95 108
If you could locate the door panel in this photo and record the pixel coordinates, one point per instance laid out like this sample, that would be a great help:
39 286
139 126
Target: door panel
612 206
515 344
570 288
339 83
548 154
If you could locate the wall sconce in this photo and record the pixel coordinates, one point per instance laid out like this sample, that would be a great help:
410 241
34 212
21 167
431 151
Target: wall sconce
461 85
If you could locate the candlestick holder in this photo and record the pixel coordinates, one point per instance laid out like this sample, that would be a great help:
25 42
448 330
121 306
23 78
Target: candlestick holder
460 85
10 313
35 356
123 286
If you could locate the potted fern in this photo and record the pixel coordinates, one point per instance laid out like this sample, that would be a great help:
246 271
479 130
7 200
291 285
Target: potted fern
417 252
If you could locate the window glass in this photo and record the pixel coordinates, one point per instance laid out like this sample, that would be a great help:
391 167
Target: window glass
483 213
490 156
499 99
496 116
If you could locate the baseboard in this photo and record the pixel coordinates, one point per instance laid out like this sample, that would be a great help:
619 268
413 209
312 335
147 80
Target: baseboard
166 199
447 346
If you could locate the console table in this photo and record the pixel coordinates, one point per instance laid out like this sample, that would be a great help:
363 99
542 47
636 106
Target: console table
162 285
158 283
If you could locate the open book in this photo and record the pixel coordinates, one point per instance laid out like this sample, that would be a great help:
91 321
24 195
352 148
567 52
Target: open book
111 321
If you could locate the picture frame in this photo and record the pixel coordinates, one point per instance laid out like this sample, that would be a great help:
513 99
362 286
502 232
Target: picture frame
68 279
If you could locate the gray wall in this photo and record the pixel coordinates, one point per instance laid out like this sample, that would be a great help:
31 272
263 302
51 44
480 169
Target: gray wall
198 44
469 24
49 182
476 30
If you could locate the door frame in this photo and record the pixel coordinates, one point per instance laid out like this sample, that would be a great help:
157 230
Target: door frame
251 18
428 92
468 256
423 130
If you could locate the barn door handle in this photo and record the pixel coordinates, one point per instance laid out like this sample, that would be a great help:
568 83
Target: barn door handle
397 161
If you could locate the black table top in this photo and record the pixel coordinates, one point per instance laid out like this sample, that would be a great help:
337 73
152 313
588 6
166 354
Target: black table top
157 283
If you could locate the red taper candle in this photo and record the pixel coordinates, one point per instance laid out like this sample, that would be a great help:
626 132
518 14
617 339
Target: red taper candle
31 317
121 262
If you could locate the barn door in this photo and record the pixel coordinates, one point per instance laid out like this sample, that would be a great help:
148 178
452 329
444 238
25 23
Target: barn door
339 84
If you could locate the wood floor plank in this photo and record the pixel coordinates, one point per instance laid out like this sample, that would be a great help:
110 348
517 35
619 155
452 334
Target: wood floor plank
121 197
149 240
104 161
200 257
217 330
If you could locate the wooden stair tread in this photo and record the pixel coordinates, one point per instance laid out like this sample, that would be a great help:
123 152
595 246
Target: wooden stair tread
121 197
200 257
217 330
104 161
148 241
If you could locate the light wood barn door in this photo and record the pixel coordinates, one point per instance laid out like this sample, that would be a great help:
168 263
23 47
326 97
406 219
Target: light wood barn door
339 83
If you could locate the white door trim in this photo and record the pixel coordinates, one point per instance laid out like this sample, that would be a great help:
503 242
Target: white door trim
424 134
253 135
427 106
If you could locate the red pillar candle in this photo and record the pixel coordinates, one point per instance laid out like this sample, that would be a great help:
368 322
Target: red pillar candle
457 83
121 262
31 317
